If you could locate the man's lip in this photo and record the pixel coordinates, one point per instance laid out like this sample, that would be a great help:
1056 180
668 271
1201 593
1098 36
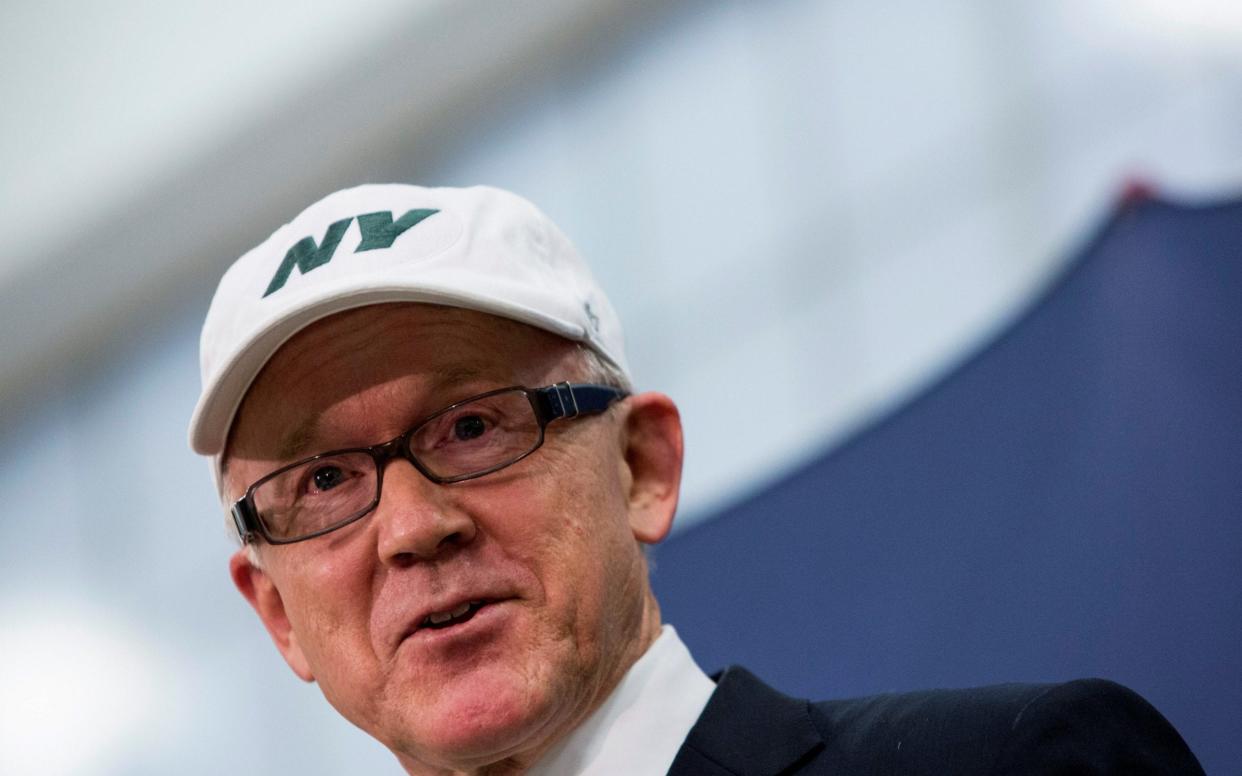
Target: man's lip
419 621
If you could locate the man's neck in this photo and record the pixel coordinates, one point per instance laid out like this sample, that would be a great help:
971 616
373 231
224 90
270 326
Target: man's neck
640 727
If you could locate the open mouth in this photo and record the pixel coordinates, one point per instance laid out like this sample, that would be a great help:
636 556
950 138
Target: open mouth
462 613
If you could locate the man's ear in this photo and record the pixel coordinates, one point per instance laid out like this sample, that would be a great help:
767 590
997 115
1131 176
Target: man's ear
257 588
653 456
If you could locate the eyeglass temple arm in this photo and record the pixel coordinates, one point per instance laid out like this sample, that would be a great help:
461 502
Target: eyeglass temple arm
564 400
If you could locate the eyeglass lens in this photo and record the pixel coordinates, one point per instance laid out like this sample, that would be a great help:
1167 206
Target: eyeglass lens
469 438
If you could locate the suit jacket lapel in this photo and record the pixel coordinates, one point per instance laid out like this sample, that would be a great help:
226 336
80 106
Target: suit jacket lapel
747 729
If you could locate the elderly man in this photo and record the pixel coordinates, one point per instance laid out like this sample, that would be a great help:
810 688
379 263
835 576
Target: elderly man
419 411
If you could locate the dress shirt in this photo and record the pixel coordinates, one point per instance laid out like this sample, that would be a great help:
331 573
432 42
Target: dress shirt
642 724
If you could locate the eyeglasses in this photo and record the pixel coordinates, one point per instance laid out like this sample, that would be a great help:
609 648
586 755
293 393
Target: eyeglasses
468 439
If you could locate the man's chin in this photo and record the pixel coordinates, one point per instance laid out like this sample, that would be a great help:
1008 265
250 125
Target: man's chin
477 722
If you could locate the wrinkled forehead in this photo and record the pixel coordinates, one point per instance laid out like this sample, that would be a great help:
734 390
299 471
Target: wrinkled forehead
418 353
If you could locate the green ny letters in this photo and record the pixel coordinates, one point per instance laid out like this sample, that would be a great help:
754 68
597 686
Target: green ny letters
378 231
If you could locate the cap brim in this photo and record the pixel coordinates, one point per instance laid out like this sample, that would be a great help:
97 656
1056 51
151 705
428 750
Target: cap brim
221 398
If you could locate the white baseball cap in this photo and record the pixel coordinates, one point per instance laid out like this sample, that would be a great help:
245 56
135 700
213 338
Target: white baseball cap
478 248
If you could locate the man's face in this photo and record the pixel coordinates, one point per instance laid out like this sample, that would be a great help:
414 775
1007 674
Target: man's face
548 544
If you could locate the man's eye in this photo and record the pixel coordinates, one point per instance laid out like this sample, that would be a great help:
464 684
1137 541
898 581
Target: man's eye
468 427
327 477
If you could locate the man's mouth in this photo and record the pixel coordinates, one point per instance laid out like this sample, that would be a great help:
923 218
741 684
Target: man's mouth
459 614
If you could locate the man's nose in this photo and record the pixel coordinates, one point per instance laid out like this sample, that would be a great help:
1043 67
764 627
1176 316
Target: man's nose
417 519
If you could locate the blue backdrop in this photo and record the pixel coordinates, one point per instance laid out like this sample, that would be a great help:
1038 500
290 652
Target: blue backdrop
1064 504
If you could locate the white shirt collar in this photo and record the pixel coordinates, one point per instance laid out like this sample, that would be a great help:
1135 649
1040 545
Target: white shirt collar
641 726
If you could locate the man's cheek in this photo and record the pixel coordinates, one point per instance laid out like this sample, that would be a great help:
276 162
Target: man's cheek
327 630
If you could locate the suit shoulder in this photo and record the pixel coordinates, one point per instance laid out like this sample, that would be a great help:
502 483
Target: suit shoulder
947 730
1089 725
1096 726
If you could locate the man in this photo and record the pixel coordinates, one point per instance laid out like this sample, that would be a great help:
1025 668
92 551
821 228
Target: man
419 411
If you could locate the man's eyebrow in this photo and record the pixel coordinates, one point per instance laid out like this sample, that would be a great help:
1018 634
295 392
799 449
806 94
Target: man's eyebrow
298 442
444 379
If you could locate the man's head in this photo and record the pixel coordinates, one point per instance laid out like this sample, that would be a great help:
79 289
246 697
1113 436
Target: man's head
537 566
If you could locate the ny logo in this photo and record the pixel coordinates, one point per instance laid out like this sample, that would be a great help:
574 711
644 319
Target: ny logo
378 231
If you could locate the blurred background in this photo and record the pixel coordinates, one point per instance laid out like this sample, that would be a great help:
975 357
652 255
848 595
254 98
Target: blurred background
807 212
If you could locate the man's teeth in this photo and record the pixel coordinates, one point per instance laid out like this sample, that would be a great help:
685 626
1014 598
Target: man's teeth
439 618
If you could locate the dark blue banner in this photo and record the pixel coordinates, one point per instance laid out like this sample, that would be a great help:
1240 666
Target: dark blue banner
1064 504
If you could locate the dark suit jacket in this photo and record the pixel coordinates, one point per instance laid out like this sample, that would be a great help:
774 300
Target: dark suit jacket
1089 726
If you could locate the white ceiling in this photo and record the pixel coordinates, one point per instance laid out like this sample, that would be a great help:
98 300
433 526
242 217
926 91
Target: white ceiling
131 126
102 97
